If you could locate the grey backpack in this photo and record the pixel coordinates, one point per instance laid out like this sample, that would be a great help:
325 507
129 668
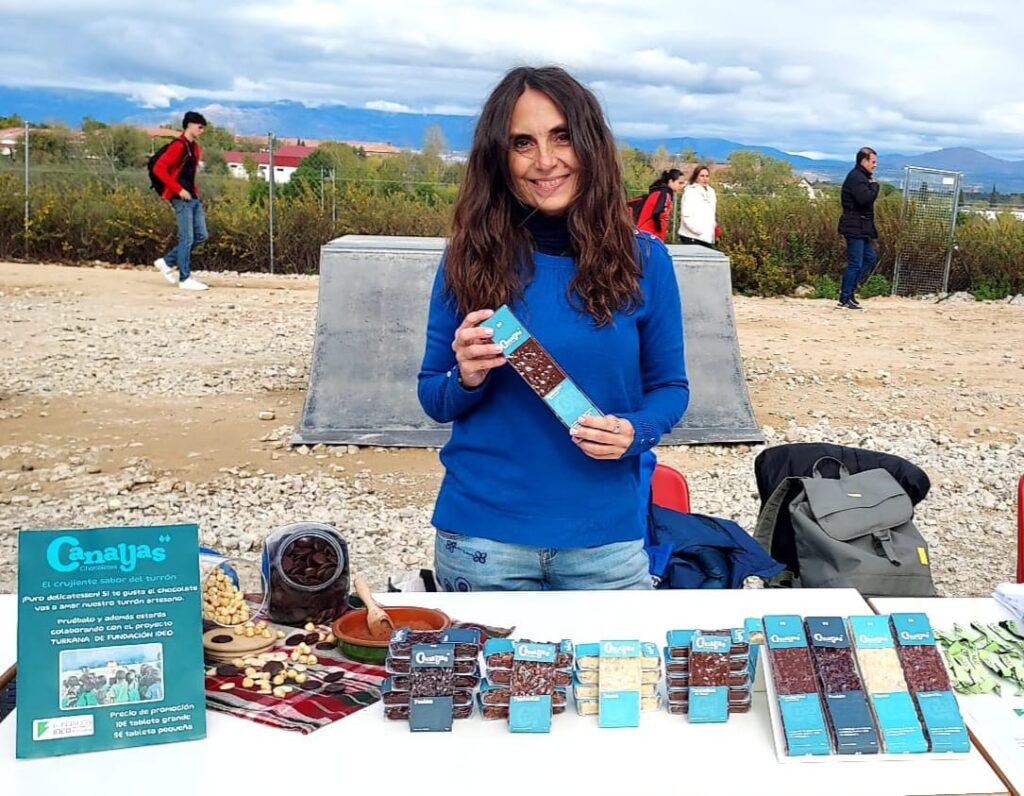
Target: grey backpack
855 531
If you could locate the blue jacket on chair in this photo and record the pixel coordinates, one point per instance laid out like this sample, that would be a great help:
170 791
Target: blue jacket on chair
693 551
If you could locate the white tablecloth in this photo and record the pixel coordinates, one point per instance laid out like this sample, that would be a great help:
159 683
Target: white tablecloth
665 755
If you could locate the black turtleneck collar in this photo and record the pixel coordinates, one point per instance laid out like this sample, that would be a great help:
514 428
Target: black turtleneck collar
550 233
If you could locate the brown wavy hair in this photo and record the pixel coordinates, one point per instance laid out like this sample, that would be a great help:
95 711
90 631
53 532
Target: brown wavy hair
696 172
488 261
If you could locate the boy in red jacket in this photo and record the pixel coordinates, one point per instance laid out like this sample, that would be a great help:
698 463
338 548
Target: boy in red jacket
177 168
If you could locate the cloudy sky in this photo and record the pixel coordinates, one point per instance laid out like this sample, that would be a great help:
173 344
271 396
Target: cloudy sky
810 76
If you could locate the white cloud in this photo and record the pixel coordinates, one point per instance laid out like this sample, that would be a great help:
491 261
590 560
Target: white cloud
156 96
642 129
384 105
802 76
815 155
794 75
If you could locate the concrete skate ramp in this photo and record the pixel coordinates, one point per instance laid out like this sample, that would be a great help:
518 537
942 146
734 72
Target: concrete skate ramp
371 317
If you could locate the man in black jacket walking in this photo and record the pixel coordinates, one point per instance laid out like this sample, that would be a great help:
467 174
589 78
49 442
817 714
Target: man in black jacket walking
857 225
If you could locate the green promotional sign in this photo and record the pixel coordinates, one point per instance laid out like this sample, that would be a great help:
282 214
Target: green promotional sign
110 647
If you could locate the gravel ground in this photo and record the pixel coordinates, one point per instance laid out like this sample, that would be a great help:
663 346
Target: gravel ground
124 403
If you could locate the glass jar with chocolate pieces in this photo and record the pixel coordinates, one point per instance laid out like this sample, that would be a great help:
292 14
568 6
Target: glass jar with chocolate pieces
308 568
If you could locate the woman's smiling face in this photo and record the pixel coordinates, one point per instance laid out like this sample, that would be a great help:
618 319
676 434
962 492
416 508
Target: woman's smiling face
541 159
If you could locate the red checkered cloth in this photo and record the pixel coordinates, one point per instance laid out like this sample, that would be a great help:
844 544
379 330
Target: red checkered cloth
300 711
306 711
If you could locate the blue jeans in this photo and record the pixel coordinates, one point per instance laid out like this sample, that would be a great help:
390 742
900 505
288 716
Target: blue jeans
469 563
860 259
191 232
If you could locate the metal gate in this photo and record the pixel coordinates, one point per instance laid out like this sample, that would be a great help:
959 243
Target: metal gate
930 199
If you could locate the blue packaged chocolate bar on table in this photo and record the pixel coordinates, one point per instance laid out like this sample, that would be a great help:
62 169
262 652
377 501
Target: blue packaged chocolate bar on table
619 679
533 667
795 687
929 683
890 699
431 701
850 720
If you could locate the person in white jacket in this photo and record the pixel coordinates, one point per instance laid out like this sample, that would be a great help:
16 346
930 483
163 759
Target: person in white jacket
699 203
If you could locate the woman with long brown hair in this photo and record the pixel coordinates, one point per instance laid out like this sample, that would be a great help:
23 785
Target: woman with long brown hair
699 204
541 225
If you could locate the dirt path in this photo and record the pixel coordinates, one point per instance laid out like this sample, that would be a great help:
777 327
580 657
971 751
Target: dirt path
803 359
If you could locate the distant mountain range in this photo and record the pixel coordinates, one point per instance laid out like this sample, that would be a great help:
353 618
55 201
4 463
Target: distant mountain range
295 120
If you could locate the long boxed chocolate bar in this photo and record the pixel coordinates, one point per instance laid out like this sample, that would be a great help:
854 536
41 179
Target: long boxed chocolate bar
539 369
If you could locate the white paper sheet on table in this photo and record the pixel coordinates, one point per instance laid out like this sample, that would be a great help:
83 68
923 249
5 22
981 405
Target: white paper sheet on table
998 724
1011 597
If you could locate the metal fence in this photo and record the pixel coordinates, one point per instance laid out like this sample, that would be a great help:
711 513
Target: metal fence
930 198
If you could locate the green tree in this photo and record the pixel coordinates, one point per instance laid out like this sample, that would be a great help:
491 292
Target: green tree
251 167
119 147
434 142
637 173
214 163
14 120
215 137
310 174
429 166
348 162
394 173
661 160
756 173
90 125
993 198
52 144
688 155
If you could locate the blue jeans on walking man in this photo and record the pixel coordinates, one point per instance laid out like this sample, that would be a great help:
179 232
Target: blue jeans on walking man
860 259
191 232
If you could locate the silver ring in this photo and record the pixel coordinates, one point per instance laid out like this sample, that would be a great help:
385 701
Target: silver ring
616 427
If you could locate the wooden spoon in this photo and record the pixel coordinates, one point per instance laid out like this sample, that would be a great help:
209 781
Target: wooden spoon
377 620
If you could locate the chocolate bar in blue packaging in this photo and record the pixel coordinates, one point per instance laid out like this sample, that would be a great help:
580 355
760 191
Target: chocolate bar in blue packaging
532 685
709 677
850 723
795 683
466 641
431 693
886 686
620 675
539 369
929 683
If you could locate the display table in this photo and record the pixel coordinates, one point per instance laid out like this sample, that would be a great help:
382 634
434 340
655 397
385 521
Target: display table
666 754
990 718
8 636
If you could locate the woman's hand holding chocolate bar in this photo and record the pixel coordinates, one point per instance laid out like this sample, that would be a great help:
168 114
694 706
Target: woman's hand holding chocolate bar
474 351
607 437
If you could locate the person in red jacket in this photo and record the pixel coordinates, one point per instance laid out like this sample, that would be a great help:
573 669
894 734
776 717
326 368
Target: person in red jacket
656 211
176 168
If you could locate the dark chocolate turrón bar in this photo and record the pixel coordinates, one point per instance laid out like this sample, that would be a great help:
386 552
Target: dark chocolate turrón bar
539 370
537 367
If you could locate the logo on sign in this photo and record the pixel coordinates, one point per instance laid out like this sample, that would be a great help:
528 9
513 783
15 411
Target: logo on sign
65 554
63 727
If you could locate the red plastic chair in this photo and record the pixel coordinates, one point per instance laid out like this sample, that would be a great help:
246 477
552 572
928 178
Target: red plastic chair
1020 530
670 490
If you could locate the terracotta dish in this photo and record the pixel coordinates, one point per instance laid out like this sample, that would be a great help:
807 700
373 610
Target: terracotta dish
355 641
